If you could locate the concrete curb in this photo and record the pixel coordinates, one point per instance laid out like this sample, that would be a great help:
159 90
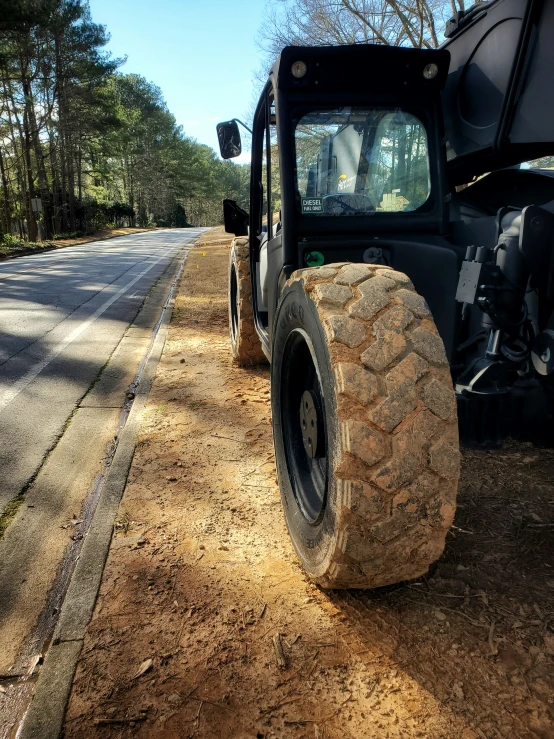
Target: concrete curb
45 715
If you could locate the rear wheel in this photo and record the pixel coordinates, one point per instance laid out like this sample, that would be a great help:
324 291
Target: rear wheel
246 346
365 428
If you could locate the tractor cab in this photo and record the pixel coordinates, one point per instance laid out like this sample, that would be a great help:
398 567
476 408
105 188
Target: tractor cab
345 166
359 151
396 268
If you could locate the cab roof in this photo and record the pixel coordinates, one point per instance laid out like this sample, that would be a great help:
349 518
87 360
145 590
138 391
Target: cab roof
361 68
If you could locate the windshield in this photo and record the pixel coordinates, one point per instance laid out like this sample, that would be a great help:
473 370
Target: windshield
357 161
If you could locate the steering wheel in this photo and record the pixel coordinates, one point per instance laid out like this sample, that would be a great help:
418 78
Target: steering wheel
347 203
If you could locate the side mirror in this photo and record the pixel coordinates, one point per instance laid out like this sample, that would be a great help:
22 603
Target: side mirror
235 218
230 144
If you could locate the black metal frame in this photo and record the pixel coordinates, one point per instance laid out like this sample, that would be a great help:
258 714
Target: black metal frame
286 250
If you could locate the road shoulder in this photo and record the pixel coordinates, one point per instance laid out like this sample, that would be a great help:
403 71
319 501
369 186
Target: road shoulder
54 502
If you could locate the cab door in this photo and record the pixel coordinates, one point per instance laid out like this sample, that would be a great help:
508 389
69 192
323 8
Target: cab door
266 238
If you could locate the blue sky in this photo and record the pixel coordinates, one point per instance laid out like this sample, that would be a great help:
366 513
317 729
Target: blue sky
201 53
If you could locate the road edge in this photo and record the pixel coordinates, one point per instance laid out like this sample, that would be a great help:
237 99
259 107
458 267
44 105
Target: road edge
45 715
53 245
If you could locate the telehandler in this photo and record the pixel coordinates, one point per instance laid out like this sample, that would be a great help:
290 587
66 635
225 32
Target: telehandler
396 268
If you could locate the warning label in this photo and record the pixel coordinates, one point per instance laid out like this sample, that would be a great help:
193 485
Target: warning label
312 205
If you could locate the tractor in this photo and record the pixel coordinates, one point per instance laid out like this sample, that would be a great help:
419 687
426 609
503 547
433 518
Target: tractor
396 269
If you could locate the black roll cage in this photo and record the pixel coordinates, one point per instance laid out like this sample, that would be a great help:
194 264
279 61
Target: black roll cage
329 83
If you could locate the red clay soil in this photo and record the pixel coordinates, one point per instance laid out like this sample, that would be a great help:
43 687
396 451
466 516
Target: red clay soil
207 627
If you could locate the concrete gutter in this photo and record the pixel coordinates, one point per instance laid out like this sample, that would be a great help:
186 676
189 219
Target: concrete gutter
45 715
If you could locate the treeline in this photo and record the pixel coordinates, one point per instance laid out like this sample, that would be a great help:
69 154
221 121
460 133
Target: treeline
83 146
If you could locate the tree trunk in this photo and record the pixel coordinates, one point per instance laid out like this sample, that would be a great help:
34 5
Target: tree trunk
82 223
62 134
71 183
31 220
41 169
6 191
131 192
55 218
17 137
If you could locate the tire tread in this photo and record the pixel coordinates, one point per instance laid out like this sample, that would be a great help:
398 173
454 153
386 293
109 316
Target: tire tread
397 465
246 347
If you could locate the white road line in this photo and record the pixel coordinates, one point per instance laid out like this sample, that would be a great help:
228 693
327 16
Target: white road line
12 392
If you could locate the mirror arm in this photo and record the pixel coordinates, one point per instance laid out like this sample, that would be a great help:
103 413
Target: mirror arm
242 124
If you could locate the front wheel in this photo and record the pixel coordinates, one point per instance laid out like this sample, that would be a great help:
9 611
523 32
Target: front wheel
364 424
246 346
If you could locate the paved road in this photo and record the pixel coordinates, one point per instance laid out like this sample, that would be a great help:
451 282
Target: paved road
61 316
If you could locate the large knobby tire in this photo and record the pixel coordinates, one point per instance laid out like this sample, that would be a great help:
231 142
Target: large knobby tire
246 346
365 426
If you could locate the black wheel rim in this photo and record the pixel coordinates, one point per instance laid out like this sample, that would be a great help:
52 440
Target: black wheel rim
304 426
233 302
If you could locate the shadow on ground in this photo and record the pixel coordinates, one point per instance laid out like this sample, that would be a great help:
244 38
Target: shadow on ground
202 577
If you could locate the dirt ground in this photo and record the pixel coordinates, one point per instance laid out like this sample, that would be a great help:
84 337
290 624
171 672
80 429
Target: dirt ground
202 577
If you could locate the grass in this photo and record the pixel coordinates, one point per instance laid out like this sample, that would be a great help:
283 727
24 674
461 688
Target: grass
10 245
10 512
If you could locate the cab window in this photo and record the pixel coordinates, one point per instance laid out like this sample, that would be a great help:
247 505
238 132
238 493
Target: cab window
358 161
